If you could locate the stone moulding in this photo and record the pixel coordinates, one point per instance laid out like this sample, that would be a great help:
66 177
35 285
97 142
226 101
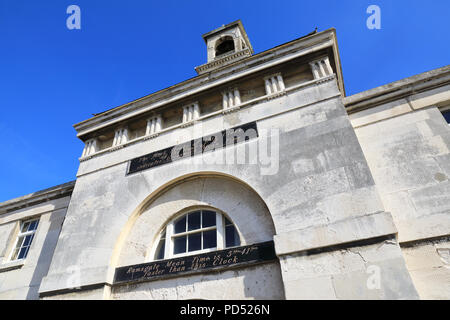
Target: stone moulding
360 228
276 95
230 110
95 286
87 158
324 79
116 147
243 105
397 90
188 124
150 136
297 48
222 61
11 265
32 199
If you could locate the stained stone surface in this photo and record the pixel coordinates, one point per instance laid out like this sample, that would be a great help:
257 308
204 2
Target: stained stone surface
411 171
103 227
20 280
354 192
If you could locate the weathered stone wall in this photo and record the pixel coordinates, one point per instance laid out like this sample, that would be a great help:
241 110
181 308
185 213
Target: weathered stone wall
409 156
374 271
318 177
7 232
101 293
428 263
323 187
21 279
240 204
407 145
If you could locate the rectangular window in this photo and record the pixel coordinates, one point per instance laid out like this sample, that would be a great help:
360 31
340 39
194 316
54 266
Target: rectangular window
24 239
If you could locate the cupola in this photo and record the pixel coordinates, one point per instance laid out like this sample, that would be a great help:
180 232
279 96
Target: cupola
225 45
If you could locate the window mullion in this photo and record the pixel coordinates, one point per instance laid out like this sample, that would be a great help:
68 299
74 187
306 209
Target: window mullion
220 232
13 251
169 241
193 231
187 243
27 248
26 233
201 240
201 228
21 239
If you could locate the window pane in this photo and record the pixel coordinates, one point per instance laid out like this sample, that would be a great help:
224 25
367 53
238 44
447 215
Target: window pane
23 253
25 226
180 225
446 115
231 237
179 244
33 225
228 222
209 239
208 218
194 221
195 242
160 250
26 252
28 239
20 242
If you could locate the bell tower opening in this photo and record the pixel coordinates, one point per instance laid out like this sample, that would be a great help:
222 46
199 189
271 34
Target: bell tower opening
224 45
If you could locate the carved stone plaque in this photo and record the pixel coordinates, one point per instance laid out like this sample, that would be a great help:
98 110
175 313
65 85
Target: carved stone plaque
232 257
194 147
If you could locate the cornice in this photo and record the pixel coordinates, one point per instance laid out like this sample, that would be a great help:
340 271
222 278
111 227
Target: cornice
399 89
241 106
243 67
229 58
59 191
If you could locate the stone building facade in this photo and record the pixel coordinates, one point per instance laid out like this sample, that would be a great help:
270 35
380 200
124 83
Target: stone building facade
257 179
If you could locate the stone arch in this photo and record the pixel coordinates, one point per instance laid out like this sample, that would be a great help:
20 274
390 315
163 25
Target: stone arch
224 45
231 196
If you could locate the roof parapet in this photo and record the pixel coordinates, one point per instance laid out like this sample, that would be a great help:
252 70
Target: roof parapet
398 89
59 191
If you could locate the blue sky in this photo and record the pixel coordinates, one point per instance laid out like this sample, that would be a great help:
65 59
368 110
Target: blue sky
52 77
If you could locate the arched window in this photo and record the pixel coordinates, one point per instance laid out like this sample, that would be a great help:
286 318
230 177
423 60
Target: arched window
198 231
224 45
